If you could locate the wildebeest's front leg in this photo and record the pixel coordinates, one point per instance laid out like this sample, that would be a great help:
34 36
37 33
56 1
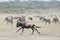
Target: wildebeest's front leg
37 30
8 23
11 23
22 30
18 30
32 30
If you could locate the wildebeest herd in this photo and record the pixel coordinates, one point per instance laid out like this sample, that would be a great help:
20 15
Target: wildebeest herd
21 22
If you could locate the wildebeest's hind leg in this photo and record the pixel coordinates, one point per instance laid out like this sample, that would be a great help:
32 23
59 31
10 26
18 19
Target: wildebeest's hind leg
49 22
11 24
32 30
22 31
18 30
8 23
37 30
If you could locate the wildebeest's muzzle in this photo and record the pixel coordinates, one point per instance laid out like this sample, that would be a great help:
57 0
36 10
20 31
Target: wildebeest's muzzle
17 25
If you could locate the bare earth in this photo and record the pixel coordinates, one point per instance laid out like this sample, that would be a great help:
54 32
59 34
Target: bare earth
48 32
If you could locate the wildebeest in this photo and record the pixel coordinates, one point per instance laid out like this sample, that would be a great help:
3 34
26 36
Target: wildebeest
30 18
56 20
9 20
17 17
40 18
46 20
23 25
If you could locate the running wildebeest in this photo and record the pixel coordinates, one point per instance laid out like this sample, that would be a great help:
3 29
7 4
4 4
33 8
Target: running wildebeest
9 20
56 20
23 25
30 18
40 18
46 20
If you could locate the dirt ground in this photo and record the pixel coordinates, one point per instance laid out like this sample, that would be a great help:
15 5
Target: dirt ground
48 31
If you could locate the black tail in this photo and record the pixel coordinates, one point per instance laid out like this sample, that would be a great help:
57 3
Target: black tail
37 27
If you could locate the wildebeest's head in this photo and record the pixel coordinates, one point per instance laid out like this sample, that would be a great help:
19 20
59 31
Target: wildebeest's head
17 25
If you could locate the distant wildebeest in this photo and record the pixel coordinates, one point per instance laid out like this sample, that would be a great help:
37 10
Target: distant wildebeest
40 18
56 20
30 18
46 20
23 25
9 20
16 17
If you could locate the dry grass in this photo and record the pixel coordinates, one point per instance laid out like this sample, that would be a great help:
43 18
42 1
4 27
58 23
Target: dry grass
48 32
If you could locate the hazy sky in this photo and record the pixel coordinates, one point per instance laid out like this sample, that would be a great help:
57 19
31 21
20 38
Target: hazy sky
13 0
